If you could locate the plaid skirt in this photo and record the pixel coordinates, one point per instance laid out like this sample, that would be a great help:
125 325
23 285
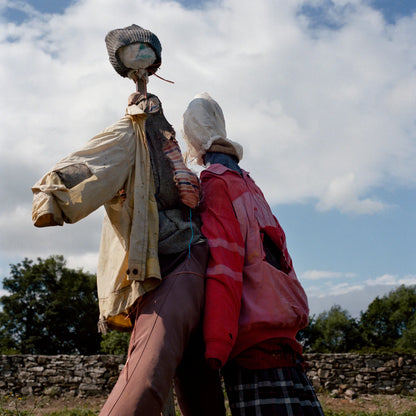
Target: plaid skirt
276 391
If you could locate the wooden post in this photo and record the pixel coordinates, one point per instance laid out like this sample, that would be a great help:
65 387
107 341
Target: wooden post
141 85
169 408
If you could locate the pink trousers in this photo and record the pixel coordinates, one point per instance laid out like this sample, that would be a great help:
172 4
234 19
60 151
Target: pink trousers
166 345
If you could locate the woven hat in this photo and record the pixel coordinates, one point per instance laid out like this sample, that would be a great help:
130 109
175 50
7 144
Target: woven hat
117 38
204 130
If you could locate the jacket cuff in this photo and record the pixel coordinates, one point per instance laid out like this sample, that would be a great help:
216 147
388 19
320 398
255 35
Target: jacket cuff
45 211
217 350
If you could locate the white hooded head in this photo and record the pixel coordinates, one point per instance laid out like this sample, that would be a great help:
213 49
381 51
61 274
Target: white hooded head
204 129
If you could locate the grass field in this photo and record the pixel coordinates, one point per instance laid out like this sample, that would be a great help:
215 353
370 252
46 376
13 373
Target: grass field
379 405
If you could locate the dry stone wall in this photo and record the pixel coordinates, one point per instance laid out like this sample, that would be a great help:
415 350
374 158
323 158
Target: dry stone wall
56 375
76 375
356 374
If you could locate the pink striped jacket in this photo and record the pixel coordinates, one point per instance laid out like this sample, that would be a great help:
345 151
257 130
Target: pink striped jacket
247 299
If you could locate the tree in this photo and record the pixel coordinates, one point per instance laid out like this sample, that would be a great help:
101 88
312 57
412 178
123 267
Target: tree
308 335
389 319
50 309
408 339
115 342
334 331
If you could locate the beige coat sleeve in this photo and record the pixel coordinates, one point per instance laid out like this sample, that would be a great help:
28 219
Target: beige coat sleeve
86 179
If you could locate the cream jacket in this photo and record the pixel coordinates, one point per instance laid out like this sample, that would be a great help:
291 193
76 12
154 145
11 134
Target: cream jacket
113 169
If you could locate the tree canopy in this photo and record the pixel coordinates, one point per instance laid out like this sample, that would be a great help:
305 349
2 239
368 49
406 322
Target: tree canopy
50 309
389 323
332 331
390 320
115 342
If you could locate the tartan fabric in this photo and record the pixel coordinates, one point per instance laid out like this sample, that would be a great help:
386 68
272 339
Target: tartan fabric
270 392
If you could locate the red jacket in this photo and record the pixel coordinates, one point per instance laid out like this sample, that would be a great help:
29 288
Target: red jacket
247 299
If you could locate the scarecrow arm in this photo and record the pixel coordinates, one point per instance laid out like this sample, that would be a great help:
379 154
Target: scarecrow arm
86 179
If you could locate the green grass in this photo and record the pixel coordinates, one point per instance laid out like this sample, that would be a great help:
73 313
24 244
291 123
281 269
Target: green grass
75 412
85 412
7 412
12 405
72 412
361 413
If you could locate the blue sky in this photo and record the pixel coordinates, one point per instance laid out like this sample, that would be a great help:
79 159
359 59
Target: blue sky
391 10
320 94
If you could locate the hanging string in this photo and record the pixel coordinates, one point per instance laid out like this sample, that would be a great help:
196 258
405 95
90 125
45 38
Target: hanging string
163 79
151 70
135 310
192 236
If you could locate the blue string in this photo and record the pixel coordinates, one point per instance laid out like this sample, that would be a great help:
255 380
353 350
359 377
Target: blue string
192 236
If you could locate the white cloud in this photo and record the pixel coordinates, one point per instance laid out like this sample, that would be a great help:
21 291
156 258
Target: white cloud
325 274
86 261
386 280
408 280
324 116
3 293
330 290
392 280
344 288
352 297
342 194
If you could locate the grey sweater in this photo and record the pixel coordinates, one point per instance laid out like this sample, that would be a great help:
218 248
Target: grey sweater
178 226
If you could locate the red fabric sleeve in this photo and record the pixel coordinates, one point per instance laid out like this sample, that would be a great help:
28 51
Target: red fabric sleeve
225 268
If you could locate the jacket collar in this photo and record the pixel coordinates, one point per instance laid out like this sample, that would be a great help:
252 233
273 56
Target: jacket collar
220 169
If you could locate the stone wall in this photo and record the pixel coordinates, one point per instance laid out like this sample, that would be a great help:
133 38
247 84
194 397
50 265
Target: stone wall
56 375
84 376
363 373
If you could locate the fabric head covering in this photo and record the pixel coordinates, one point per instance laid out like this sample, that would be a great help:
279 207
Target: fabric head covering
204 130
118 38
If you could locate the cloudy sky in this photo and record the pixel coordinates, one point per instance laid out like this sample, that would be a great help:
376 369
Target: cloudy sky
321 94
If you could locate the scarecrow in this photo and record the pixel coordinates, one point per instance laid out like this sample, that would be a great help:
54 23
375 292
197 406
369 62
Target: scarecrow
152 260
254 303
